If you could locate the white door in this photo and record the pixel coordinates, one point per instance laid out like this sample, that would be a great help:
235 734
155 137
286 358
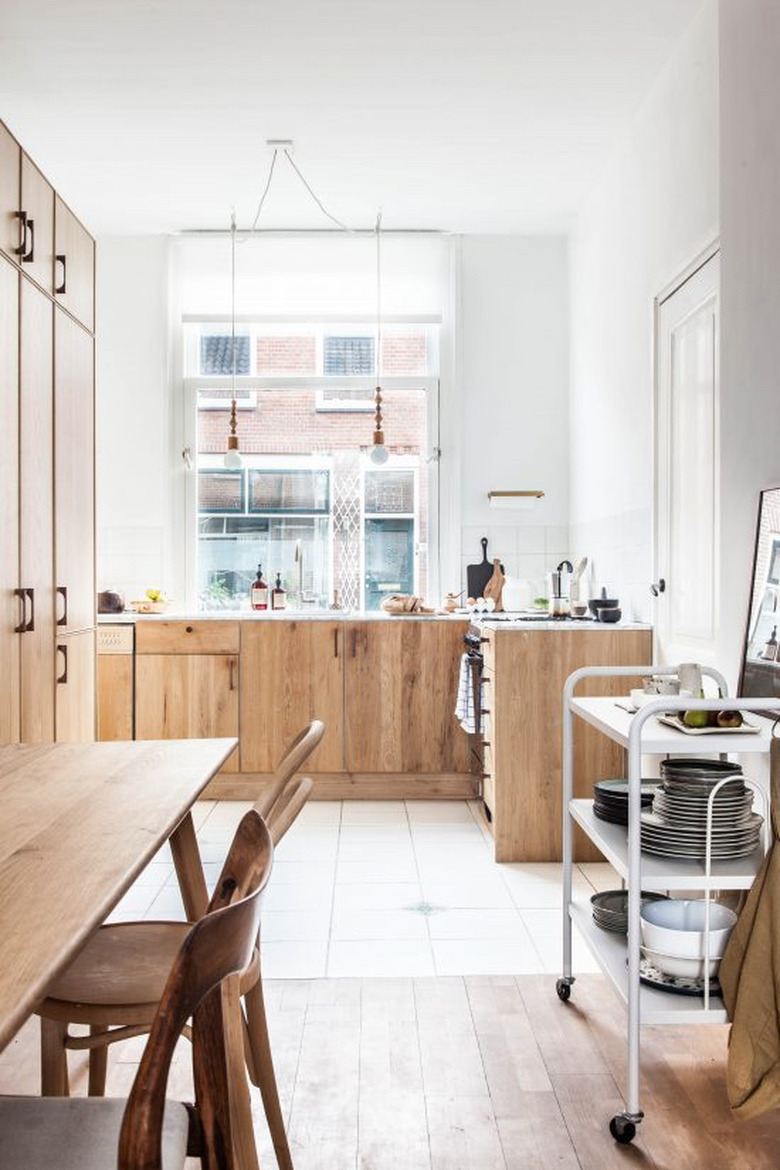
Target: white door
687 448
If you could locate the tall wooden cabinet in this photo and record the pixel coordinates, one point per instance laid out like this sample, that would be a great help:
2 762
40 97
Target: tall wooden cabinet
47 507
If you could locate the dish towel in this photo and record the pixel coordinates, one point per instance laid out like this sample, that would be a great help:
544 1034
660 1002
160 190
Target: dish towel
464 704
750 977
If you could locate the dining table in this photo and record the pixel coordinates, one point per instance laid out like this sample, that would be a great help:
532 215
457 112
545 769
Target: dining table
78 824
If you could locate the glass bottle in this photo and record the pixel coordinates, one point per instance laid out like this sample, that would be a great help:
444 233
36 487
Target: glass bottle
279 594
258 594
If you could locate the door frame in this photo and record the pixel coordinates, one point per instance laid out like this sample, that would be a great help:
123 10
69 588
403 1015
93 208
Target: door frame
673 286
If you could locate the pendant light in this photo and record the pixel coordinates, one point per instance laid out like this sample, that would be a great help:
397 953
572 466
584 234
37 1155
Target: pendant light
233 460
379 452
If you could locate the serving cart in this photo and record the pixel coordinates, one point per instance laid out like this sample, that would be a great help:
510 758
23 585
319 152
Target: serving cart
619 957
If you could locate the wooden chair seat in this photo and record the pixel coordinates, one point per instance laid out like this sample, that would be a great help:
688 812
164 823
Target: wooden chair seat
123 968
84 1132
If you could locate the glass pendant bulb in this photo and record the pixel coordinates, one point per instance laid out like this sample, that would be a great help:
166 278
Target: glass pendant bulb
379 454
233 460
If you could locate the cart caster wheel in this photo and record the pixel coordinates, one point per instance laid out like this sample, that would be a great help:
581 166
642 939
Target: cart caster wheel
622 1130
563 987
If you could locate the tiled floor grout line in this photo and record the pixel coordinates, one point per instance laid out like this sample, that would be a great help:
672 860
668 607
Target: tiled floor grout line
431 951
333 888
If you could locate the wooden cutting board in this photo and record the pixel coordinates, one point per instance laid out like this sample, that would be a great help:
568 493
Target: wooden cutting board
477 576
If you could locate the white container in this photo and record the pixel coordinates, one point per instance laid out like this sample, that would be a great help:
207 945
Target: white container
684 968
517 594
675 927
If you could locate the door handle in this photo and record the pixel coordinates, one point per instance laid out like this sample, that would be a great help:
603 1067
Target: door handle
658 587
63 592
31 623
63 650
62 286
22 246
336 642
28 253
22 595
231 684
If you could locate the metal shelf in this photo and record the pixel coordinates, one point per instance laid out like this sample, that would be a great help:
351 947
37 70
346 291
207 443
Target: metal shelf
659 740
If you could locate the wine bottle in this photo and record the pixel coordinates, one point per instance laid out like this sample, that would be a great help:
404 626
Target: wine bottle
258 594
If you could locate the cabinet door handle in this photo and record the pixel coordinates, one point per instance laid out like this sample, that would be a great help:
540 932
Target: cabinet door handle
22 595
62 286
28 256
22 246
336 642
63 592
28 629
231 684
354 643
63 650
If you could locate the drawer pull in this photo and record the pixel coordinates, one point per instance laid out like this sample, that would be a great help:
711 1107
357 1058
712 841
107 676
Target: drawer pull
62 288
63 678
63 592
189 629
28 253
22 627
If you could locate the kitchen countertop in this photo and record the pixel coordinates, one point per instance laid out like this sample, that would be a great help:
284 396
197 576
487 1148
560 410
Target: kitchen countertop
374 616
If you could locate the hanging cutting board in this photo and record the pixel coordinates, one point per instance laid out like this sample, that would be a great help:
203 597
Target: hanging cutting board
495 586
477 576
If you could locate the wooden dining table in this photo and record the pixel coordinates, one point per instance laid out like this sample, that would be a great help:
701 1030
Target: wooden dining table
78 824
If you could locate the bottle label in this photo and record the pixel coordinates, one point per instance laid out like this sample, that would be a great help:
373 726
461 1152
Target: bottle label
278 599
259 597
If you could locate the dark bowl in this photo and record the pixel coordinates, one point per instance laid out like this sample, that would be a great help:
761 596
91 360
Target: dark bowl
597 603
609 614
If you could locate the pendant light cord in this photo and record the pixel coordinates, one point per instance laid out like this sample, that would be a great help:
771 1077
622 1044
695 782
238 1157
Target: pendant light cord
378 230
267 188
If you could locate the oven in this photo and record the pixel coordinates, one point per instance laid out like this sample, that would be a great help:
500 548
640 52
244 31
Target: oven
479 682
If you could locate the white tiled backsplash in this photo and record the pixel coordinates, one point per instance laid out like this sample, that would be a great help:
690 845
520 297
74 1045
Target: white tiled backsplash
131 558
527 551
620 552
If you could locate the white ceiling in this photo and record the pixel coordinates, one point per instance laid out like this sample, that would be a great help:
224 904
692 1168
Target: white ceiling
467 115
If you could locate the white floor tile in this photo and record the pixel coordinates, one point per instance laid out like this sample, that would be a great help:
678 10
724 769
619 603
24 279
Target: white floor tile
396 852
303 873
366 812
155 875
546 930
294 960
134 905
476 924
320 812
376 896
382 958
438 811
486 957
380 870
308 845
378 924
467 895
295 926
167 906
309 896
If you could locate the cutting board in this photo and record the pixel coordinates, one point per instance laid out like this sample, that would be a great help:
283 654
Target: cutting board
477 576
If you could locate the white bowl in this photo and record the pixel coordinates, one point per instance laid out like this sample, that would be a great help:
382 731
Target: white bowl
676 965
675 926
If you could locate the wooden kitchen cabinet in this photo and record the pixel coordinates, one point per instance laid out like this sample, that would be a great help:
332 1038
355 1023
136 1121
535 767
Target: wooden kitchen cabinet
10 181
75 693
291 673
187 696
74 273
9 493
401 679
74 460
37 201
181 637
36 482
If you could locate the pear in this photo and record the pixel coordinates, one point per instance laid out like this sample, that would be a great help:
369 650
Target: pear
696 718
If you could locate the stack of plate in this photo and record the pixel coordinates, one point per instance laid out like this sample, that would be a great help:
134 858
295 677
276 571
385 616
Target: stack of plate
677 824
610 908
611 799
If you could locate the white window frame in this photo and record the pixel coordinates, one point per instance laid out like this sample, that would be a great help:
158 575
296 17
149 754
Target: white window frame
395 463
431 386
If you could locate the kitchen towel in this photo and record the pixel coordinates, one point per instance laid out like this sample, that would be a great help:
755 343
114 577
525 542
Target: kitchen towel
464 704
750 977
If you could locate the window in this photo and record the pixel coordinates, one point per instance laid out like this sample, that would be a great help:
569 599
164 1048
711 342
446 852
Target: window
308 503
216 353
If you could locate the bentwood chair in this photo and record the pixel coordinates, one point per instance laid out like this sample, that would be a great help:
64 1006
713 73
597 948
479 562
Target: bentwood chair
147 1132
114 984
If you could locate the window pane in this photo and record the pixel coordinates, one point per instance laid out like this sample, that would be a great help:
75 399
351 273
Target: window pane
389 559
288 491
287 354
389 491
228 557
216 354
221 491
404 350
345 357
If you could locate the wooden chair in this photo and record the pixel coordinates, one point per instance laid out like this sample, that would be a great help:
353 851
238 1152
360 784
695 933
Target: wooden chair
148 1132
115 983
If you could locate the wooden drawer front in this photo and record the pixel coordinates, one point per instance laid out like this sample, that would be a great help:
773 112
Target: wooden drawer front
74 280
155 637
115 696
38 206
10 177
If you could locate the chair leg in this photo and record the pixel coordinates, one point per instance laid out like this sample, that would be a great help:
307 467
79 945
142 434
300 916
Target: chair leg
54 1059
264 1071
98 1064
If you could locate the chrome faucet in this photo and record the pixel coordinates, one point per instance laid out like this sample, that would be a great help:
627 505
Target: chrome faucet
302 598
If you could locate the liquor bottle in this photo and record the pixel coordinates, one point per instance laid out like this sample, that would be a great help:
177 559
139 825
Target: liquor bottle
279 594
258 594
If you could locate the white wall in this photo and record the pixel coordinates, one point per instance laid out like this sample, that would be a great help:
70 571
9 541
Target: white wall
513 339
750 299
654 209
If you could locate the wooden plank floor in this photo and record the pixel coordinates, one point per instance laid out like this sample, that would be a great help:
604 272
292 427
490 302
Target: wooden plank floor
481 1073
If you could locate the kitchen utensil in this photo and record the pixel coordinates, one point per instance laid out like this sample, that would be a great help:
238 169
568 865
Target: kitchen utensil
517 594
495 586
675 984
679 967
610 908
676 928
602 602
578 608
558 589
609 614
575 584
610 801
110 601
477 576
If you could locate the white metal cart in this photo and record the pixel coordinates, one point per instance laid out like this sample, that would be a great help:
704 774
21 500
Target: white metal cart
619 958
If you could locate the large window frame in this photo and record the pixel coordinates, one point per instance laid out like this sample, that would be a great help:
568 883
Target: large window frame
254 385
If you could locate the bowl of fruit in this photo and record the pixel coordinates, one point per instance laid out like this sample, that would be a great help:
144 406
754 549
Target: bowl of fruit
155 601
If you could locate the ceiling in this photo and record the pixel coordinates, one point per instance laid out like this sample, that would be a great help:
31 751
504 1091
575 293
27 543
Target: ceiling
464 115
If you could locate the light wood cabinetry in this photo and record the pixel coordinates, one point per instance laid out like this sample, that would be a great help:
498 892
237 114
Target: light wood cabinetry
400 691
10 180
36 480
38 226
9 509
115 686
187 696
74 271
196 637
291 673
74 417
524 729
75 693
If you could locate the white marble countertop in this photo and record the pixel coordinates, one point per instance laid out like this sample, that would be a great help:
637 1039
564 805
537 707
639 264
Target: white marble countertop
324 615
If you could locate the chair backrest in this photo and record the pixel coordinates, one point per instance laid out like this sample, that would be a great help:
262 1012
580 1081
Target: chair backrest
287 807
219 945
293 760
